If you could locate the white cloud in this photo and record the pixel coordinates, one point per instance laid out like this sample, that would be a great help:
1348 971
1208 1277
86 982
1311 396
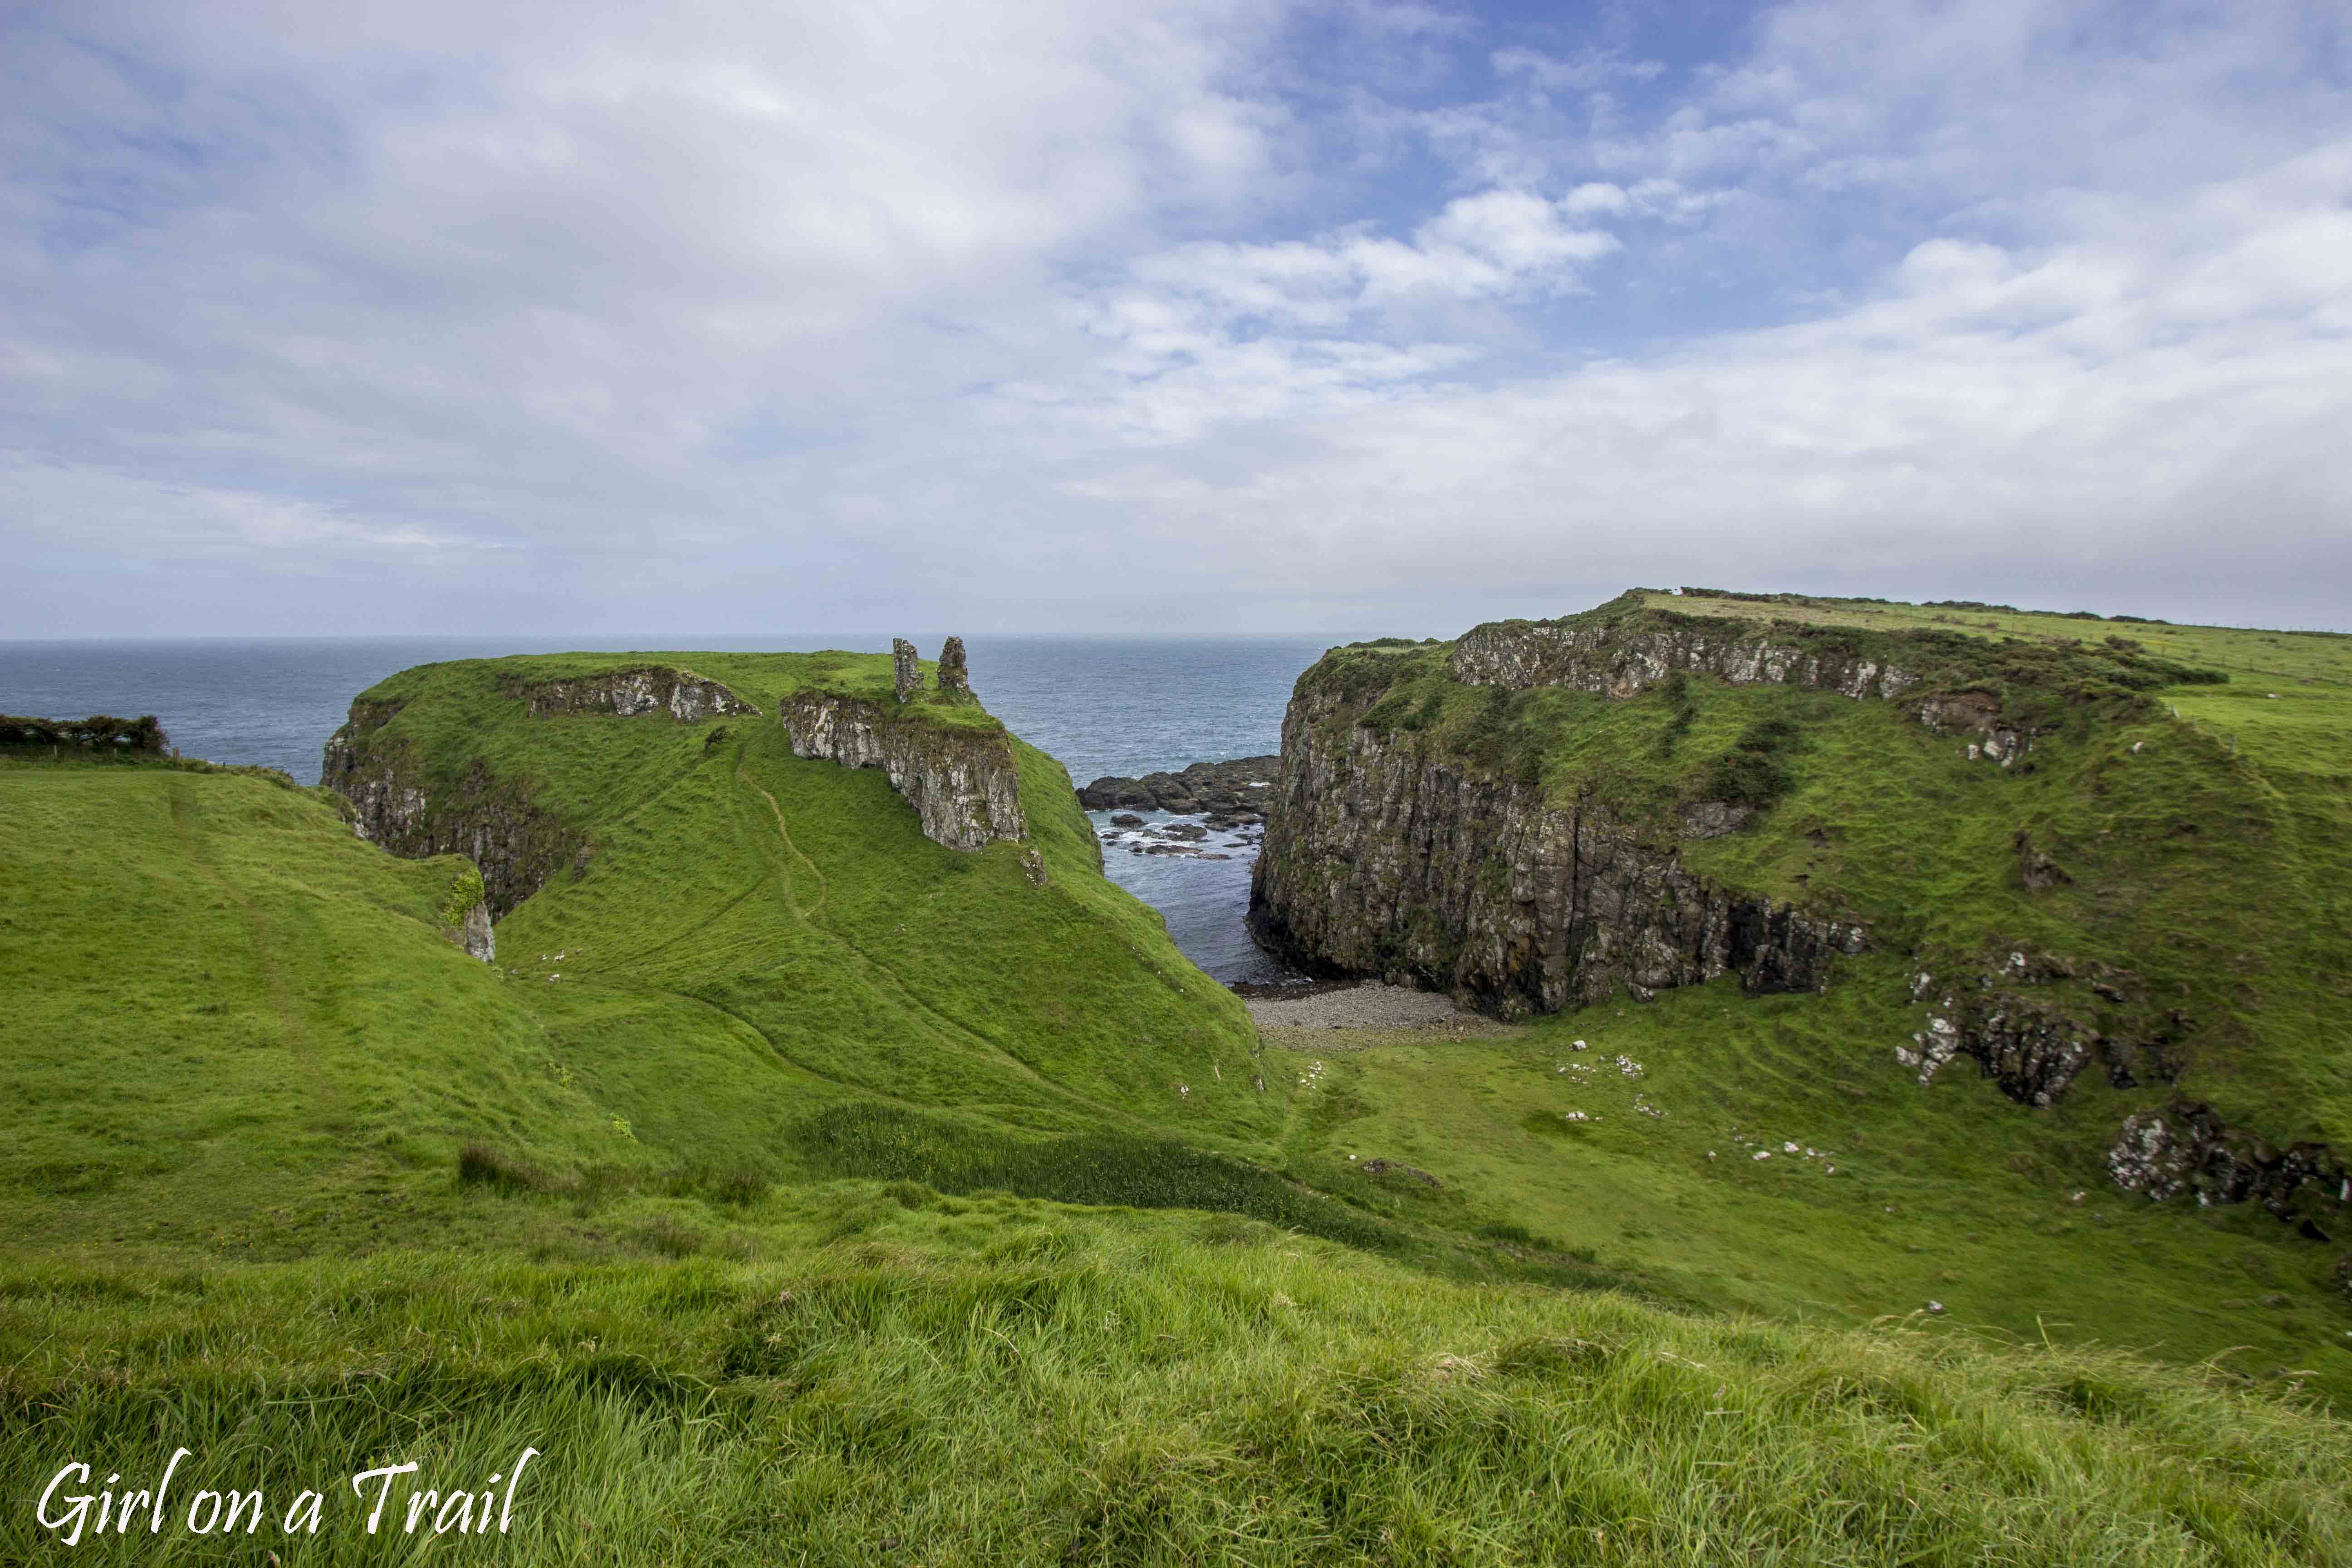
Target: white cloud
918 307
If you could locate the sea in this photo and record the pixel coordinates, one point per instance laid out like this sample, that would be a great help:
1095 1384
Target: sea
1102 705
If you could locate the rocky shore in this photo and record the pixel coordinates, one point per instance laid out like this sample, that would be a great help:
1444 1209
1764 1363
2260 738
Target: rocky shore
1237 791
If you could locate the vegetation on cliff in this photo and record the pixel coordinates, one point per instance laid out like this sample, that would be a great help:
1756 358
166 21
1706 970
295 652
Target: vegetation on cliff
2131 920
742 1186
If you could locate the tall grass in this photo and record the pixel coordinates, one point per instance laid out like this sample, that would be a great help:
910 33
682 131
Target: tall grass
999 1382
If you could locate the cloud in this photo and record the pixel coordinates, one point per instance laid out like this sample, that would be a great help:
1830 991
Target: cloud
573 318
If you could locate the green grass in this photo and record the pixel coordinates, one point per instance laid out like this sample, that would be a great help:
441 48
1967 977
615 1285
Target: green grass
990 1380
1950 1193
757 1219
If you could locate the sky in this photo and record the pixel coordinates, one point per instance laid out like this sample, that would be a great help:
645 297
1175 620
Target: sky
1343 317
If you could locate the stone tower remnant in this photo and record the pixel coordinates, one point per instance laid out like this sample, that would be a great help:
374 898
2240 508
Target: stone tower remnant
955 678
908 666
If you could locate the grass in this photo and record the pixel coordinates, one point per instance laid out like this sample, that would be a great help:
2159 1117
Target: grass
992 1380
2204 831
835 1197
1950 1193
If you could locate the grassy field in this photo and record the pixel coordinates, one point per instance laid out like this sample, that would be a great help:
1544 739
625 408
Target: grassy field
882 1373
742 1188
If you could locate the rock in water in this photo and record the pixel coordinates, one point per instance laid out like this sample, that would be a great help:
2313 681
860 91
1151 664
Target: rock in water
955 678
908 666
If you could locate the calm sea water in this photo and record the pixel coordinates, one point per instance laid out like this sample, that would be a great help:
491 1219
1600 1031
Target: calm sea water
1101 705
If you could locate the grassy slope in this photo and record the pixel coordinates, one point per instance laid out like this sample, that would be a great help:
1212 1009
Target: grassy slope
758 936
233 1024
1886 820
719 1367
900 1376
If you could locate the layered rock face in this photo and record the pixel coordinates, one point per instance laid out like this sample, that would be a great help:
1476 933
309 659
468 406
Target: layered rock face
1382 860
1611 662
1614 661
964 782
625 693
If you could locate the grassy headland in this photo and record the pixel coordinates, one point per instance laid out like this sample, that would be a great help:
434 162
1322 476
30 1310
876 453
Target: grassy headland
753 1209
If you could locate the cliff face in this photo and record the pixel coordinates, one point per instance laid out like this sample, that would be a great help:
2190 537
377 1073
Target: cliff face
625 693
1383 859
1621 661
964 783
1612 661
517 844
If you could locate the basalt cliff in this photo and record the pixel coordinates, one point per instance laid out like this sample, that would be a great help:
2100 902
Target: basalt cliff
1383 858
1544 815
1386 856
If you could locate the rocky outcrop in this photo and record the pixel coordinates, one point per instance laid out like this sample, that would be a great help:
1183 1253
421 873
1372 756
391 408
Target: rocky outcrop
626 693
1619 659
963 780
1976 713
1384 858
906 669
1608 659
2033 1021
477 937
1240 789
2031 1052
518 845
2187 1148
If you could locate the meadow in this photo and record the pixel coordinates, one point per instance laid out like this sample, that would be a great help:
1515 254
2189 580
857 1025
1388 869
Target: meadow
808 1192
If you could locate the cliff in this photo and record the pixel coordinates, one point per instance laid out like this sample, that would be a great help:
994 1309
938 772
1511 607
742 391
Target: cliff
1654 794
1383 856
395 803
963 781
399 800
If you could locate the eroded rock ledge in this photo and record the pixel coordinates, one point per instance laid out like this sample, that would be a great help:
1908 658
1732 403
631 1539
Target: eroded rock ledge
625 693
964 781
1381 858
1613 660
